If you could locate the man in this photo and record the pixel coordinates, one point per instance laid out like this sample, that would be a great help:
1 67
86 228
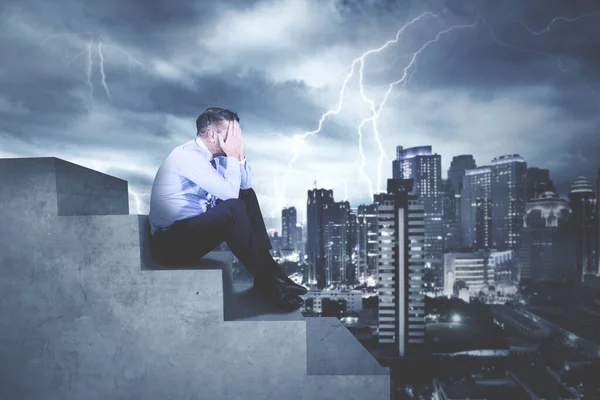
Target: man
202 196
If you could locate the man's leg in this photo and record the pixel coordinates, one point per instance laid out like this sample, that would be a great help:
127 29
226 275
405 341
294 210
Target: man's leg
260 231
248 196
190 239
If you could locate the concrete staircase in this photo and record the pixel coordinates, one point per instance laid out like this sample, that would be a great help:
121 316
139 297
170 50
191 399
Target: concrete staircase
86 313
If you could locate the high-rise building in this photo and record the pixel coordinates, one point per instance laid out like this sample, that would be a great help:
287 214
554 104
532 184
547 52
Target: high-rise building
457 169
367 246
315 241
476 208
425 169
401 313
288 227
538 182
509 192
450 218
459 165
351 269
582 200
546 251
297 239
335 236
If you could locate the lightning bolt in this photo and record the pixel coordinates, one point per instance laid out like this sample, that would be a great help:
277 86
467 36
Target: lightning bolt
402 81
89 48
558 59
301 138
524 50
555 20
99 46
138 202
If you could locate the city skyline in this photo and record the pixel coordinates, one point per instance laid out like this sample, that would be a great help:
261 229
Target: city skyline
118 100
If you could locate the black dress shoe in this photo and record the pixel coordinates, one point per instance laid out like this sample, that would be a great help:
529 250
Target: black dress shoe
290 285
277 294
285 280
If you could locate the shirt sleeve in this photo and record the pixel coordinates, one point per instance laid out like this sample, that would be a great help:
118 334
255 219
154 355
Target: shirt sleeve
200 171
246 174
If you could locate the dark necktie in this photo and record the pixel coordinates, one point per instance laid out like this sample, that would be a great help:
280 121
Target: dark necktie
213 199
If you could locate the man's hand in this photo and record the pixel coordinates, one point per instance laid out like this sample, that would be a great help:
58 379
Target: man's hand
233 145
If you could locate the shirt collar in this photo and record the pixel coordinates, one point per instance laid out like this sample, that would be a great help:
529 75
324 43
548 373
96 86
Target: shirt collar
201 144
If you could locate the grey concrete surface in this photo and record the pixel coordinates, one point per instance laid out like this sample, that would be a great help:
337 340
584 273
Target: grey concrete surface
81 318
333 350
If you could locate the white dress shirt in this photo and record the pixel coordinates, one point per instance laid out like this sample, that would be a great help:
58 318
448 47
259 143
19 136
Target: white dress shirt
186 182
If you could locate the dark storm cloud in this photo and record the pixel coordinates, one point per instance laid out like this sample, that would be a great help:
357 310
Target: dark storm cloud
166 61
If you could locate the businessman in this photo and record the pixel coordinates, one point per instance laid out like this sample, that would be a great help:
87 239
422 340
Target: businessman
202 195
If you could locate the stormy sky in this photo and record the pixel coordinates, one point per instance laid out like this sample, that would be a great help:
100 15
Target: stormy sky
116 85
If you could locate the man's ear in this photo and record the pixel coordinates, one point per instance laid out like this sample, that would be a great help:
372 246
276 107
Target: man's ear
212 135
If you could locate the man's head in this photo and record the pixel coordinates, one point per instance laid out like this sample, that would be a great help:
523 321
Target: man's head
211 123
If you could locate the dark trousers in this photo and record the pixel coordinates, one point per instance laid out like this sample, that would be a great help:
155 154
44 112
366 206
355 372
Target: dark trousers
238 222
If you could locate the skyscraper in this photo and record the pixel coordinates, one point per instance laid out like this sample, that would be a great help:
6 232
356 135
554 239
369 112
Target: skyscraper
335 236
424 168
315 241
297 240
459 165
401 265
509 192
538 182
476 208
351 269
288 227
582 200
546 249
367 246
450 218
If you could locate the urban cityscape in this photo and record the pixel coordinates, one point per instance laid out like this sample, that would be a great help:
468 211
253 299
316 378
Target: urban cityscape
483 284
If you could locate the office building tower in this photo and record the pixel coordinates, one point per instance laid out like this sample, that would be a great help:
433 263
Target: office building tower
476 208
509 186
546 249
424 168
538 182
315 241
450 217
297 239
459 165
367 246
582 200
276 244
335 236
351 269
401 313
288 227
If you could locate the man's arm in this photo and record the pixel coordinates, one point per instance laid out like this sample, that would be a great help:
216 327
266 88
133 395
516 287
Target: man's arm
198 170
246 174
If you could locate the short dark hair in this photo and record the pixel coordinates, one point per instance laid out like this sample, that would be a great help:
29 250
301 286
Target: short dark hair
213 117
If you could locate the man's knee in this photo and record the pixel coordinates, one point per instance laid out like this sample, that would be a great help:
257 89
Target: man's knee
236 206
248 195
